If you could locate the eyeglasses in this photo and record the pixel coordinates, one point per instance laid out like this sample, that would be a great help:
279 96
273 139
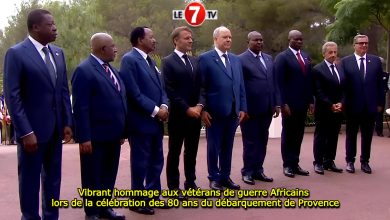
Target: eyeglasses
362 43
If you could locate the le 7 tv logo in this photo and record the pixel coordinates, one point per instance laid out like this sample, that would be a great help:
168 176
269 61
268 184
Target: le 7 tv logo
195 14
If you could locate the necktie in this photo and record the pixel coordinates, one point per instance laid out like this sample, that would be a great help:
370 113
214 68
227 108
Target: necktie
111 75
227 65
262 64
334 74
153 68
361 70
301 63
188 64
50 66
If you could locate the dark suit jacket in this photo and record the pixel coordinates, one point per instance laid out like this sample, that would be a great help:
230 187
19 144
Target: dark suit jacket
262 92
99 108
296 87
361 94
145 90
328 91
34 103
182 87
216 84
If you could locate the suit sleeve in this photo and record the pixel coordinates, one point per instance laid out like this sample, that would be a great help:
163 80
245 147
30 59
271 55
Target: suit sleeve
66 106
128 74
318 87
203 81
280 77
243 106
171 84
81 92
13 81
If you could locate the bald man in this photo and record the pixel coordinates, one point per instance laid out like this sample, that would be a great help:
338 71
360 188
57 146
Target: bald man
99 107
224 106
293 73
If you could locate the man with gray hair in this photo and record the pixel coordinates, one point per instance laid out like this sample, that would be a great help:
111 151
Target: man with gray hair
224 106
329 83
363 100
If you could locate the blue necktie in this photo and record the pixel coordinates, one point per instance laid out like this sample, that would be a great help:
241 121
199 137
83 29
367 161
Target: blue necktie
361 70
50 66
227 65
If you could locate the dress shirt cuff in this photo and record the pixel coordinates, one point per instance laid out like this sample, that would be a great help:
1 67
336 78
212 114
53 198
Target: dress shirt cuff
155 111
164 105
27 134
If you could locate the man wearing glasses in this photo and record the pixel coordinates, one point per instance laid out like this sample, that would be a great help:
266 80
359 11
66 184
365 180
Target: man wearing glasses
363 95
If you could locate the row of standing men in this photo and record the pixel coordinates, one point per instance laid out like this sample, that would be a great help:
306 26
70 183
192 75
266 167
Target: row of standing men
221 89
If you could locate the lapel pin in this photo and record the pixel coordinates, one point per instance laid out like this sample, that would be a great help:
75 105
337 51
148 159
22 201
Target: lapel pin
57 54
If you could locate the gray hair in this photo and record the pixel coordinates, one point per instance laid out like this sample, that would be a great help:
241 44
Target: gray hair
328 44
219 29
359 36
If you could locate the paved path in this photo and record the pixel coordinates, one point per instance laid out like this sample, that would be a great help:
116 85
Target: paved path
362 196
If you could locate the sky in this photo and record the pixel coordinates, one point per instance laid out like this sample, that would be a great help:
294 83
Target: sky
7 9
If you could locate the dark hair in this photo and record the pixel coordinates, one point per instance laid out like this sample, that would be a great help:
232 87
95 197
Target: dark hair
135 34
36 16
176 32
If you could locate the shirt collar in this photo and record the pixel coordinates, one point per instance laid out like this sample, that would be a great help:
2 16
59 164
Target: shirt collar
327 63
358 57
294 51
37 45
220 53
179 53
101 62
255 55
143 54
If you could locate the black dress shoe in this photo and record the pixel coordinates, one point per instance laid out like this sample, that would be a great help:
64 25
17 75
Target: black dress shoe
248 179
190 185
350 167
288 172
91 217
299 171
111 215
142 210
215 185
380 134
230 184
332 167
366 168
318 168
262 177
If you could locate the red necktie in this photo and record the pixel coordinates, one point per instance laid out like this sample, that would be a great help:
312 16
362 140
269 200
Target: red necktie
301 63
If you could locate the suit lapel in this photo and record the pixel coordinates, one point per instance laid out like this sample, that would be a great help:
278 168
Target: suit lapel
151 73
35 57
57 61
219 62
179 61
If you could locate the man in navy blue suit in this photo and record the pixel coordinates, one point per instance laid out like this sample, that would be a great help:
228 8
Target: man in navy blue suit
263 102
37 96
363 100
224 106
329 92
99 131
147 110
293 72
182 83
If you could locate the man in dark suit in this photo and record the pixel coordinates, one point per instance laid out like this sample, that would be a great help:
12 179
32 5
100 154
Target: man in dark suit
147 110
329 82
182 83
224 106
363 100
379 116
293 72
99 131
37 96
263 102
